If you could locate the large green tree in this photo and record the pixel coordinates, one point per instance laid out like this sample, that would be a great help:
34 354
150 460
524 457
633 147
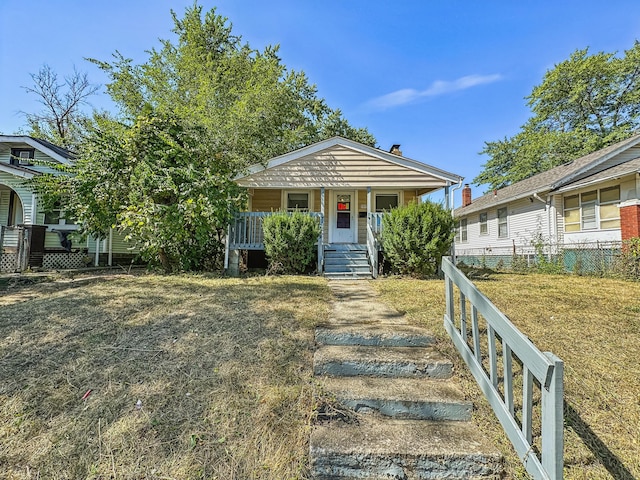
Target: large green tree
583 104
200 110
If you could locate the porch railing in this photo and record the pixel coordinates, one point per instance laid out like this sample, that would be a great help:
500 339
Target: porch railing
489 335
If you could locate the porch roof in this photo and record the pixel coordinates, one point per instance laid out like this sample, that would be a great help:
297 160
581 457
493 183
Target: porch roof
341 163
18 171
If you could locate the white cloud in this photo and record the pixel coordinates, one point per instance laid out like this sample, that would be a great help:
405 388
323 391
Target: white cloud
439 87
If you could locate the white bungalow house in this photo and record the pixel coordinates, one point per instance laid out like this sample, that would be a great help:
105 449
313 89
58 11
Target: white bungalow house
347 185
29 235
589 202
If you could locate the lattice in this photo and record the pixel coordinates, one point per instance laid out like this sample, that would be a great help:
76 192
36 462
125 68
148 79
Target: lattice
8 262
63 260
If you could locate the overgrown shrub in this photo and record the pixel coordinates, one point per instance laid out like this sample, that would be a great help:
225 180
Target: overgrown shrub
416 237
627 265
289 241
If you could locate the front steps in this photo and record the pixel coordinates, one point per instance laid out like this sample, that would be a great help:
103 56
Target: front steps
407 419
346 261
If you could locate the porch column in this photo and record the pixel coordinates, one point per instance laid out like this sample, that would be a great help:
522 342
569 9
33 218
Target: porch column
368 203
447 202
321 239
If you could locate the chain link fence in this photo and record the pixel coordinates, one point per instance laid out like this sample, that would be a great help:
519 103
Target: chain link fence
588 258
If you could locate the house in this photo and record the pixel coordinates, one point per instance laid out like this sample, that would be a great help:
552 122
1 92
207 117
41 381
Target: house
347 185
29 235
586 203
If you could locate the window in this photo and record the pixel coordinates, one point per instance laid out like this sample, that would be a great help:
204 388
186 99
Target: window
592 210
22 156
503 231
56 216
484 229
385 202
297 201
463 230
609 210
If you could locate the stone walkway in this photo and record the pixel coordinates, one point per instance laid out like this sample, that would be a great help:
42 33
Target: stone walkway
408 420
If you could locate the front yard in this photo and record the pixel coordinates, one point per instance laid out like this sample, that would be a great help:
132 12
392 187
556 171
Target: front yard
593 325
157 377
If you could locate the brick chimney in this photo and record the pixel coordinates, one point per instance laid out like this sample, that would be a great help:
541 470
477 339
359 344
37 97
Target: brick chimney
395 149
466 195
630 219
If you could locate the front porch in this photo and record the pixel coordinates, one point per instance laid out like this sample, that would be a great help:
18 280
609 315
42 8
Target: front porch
246 233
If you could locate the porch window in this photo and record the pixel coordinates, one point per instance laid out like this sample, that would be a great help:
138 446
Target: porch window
484 229
386 201
22 156
297 201
592 210
503 230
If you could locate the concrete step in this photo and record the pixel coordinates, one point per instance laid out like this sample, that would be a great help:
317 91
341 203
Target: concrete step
408 398
347 254
346 261
403 362
347 275
401 449
383 335
345 247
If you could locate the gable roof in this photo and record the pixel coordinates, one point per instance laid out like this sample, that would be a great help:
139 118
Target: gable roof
550 180
339 162
57 153
613 173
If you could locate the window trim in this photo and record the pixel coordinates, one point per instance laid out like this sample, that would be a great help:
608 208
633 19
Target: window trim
504 223
596 217
384 194
464 232
483 224
17 159
285 201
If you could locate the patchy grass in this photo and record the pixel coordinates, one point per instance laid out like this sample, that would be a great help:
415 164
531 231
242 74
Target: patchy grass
593 325
220 370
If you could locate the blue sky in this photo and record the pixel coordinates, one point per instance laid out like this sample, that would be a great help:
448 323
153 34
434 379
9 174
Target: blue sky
438 77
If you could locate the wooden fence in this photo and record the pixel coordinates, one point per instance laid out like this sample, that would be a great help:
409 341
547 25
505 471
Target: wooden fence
482 334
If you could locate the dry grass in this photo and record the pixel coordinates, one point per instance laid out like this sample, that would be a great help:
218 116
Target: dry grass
594 326
222 369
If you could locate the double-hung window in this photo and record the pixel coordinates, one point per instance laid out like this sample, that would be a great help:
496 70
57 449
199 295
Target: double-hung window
592 210
463 230
386 201
503 230
484 228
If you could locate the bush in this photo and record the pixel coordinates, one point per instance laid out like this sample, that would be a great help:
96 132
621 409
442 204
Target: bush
289 241
627 264
416 237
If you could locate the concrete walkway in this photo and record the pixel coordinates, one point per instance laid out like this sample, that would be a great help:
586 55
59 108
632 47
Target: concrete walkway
406 419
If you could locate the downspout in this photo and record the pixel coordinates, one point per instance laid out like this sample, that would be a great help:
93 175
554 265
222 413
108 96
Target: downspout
453 195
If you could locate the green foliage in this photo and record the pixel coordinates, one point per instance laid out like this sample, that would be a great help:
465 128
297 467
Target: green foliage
627 264
583 104
197 113
416 237
289 241
545 261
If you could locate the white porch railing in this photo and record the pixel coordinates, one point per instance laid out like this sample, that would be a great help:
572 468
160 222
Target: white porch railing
374 227
504 340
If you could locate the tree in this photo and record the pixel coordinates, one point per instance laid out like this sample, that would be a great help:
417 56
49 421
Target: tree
583 104
198 112
62 120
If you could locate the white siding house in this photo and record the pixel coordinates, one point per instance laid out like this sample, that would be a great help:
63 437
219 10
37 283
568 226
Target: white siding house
578 203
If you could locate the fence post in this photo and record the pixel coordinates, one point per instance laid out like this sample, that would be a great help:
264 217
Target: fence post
553 420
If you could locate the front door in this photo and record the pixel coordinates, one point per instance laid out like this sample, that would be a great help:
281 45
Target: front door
343 221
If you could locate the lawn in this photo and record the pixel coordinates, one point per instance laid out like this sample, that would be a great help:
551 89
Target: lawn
158 377
593 325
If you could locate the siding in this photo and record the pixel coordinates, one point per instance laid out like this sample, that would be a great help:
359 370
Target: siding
524 220
340 167
266 200
409 196
26 197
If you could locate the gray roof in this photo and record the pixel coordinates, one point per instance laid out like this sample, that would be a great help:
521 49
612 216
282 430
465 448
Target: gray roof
547 181
54 151
624 169
63 152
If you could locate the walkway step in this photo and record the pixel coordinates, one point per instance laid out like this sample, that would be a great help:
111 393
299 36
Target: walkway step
374 335
380 361
416 398
401 449
348 275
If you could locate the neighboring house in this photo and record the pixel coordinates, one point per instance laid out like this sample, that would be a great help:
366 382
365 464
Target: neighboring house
345 183
29 235
585 203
